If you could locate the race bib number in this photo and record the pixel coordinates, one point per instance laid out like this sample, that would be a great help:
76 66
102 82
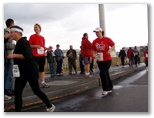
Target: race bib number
146 55
16 72
40 51
100 56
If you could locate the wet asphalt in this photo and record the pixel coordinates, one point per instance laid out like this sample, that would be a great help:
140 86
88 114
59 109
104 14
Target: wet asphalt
130 94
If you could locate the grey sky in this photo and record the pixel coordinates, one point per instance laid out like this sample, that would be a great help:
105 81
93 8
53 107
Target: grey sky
65 24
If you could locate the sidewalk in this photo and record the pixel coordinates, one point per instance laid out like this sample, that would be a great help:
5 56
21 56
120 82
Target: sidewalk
63 86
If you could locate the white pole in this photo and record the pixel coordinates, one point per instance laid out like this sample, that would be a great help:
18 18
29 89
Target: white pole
102 23
102 17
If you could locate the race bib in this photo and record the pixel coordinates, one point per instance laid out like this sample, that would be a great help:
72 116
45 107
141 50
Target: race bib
100 56
146 55
136 53
40 51
16 72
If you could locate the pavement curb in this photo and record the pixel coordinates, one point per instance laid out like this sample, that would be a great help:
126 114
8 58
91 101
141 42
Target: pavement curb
124 73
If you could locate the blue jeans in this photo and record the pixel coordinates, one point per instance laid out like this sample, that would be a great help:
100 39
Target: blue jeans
8 74
52 71
59 67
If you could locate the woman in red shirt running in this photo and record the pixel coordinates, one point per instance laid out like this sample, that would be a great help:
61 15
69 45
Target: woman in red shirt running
37 43
101 47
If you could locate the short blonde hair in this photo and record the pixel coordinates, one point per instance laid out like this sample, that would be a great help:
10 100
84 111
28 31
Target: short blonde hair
38 25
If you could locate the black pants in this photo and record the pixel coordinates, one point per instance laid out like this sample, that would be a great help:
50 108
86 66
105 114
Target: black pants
104 75
19 86
122 60
91 65
146 63
136 60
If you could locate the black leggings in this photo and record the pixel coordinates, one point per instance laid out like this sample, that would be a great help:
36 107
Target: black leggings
41 62
19 86
104 75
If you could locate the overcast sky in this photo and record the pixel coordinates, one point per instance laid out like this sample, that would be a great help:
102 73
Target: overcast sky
64 24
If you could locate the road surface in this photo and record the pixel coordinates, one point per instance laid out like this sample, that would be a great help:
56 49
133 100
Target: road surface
130 94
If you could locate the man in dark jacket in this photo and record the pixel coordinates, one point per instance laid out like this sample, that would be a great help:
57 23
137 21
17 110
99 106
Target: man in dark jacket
122 55
71 54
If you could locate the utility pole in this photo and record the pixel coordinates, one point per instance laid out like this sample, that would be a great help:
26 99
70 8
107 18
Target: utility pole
102 23
102 17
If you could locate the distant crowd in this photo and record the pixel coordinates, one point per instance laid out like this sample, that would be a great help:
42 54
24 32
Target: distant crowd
132 56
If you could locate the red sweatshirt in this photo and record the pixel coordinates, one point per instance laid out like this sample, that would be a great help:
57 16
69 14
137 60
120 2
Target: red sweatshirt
129 52
86 48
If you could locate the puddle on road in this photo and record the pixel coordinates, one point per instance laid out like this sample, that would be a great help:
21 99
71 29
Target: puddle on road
129 80
133 78
117 86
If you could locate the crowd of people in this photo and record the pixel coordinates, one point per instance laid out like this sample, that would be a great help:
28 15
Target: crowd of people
131 56
25 61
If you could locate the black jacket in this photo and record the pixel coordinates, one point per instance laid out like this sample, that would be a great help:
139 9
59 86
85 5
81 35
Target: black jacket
122 54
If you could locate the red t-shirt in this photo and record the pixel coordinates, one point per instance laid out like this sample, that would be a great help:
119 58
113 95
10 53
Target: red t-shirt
37 40
101 46
146 55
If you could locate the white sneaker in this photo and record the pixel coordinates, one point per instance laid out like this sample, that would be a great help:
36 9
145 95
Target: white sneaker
109 91
6 97
106 92
51 109
88 75
44 85
58 74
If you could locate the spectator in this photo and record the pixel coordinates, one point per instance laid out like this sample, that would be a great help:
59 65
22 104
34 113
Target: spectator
50 59
130 56
37 43
6 38
59 59
26 69
8 48
81 62
86 51
101 45
71 54
146 58
122 55
136 55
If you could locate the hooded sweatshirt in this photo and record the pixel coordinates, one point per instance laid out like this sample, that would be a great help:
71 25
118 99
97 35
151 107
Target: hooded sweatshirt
86 48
